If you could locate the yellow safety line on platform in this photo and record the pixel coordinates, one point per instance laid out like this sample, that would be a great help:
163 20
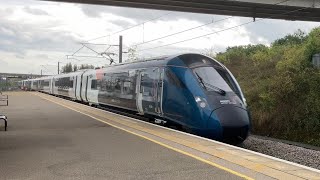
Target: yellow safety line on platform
152 140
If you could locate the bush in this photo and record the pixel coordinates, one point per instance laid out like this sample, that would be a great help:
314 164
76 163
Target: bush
281 86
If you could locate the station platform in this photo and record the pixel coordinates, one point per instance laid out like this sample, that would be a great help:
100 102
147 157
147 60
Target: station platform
54 138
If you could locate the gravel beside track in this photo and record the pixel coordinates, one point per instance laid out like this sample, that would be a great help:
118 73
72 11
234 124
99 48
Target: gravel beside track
300 155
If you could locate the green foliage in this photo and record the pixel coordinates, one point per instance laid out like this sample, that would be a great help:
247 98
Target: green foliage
281 86
291 39
132 54
86 66
69 68
75 68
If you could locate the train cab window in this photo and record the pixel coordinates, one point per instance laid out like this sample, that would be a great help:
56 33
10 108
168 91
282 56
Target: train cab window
209 76
94 84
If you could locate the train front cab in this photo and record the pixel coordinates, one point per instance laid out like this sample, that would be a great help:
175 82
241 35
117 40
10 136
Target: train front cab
206 99
224 98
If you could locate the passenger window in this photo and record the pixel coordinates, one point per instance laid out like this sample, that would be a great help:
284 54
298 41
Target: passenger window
117 86
94 84
147 85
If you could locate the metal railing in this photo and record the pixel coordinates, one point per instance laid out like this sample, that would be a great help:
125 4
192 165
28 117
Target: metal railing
4 98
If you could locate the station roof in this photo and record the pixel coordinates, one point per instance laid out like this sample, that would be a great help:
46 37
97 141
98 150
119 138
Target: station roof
304 10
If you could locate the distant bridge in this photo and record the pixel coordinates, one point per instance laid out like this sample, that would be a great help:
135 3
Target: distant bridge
304 10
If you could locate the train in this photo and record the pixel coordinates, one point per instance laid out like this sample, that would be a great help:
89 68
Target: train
192 91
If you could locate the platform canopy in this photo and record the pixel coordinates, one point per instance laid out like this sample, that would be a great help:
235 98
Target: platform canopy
304 10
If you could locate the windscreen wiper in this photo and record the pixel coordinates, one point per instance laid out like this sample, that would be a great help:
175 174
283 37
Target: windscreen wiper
215 88
212 87
201 81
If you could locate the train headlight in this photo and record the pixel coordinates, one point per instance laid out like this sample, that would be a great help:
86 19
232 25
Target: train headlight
202 104
201 101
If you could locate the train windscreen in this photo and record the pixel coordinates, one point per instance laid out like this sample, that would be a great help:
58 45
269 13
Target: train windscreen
215 79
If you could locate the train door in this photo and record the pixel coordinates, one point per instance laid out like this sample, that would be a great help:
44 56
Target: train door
84 84
38 85
51 85
75 86
92 89
150 89
78 86
139 93
33 84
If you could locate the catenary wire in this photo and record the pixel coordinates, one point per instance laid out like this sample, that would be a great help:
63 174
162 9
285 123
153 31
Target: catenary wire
193 28
226 29
153 19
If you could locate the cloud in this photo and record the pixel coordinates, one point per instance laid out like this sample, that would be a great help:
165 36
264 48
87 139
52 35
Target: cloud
3 63
122 23
33 33
92 11
96 11
42 56
141 15
19 38
270 30
35 11
6 12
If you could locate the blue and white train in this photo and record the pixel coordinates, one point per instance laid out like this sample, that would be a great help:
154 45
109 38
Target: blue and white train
192 91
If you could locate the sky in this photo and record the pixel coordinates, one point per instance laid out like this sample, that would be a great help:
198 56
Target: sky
36 35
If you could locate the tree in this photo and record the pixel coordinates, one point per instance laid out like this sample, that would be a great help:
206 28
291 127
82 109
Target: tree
67 68
291 39
75 68
132 54
210 52
86 66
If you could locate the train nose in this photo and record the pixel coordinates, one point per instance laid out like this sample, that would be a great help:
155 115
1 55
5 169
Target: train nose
235 122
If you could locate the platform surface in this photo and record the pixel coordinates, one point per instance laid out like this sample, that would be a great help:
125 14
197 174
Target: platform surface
53 138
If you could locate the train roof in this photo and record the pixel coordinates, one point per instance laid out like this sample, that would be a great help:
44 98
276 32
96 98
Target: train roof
186 60
182 60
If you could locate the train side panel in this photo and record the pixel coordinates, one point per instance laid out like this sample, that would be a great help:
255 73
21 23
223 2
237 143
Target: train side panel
117 88
45 84
65 85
